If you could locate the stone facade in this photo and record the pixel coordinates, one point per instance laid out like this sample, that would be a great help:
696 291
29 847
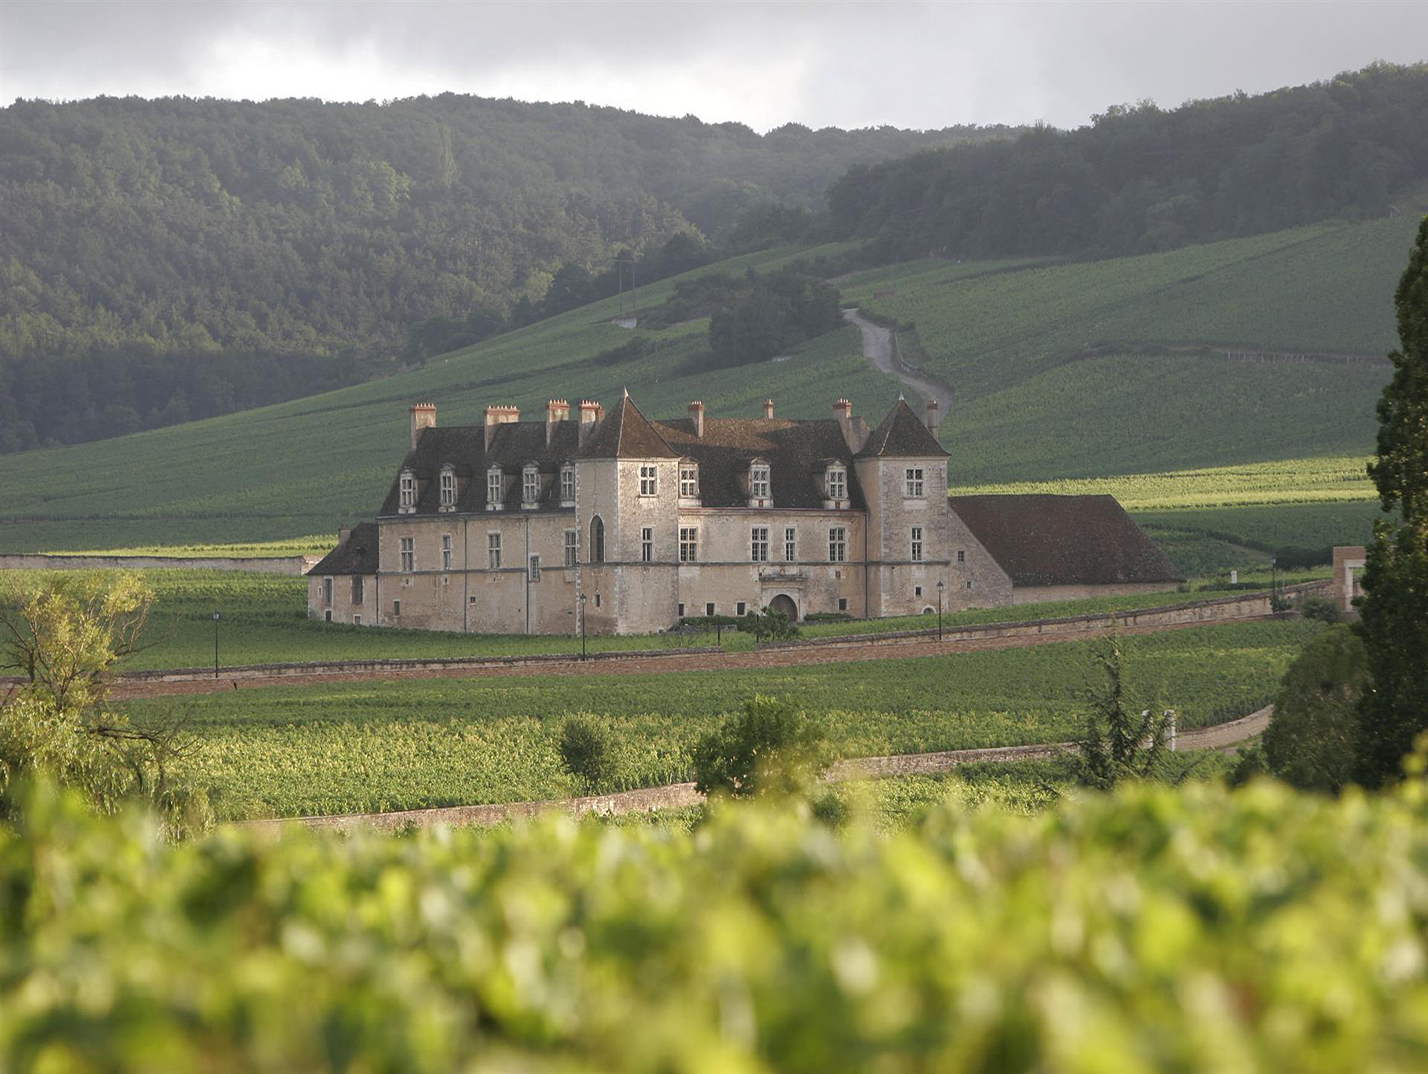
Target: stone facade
1348 566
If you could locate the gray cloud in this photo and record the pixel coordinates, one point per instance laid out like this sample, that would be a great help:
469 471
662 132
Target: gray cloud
845 64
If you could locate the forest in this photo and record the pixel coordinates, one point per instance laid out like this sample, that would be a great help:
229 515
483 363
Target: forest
1139 179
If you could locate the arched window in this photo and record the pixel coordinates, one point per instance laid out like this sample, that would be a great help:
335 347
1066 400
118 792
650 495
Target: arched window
597 540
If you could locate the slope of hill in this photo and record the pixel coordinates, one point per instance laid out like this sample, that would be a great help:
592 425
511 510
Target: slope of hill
1011 338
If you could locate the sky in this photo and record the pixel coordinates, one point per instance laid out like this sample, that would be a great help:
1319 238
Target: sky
849 64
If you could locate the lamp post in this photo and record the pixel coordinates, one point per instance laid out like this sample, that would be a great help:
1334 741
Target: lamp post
940 586
582 626
216 617
1273 584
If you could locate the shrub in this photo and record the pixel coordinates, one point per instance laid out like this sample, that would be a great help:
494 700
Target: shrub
1320 608
1311 737
769 625
770 747
585 750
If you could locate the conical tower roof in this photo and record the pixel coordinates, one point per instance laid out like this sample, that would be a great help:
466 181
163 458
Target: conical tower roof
901 434
625 433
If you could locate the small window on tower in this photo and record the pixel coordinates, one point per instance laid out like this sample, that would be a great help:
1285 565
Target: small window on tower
649 479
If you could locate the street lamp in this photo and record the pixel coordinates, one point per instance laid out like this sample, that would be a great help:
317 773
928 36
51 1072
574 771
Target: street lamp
582 626
216 617
940 586
1273 584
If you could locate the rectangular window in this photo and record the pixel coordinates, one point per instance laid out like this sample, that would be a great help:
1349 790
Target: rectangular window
446 551
681 611
917 591
327 615
448 489
493 551
688 544
759 482
689 481
842 604
495 488
530 486
961 556
913 476
572 547
649 479
837 483
407 546
396 609
916 544
533 569
740 608
327 591
356 620
790 544
567 485
837 544
647 545
709 608
409 491
759 544
358 589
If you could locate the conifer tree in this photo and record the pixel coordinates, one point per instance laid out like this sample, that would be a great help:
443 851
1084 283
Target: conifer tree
1394 608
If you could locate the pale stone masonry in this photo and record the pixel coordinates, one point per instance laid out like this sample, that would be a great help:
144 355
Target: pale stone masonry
519 527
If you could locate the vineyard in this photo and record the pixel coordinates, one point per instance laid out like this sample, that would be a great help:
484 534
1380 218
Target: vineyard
405 745
1191 929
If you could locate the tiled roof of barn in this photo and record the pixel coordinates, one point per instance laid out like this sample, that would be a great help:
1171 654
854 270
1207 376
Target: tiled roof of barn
1064 540
796 452
513 445
625 433
901 434
356 555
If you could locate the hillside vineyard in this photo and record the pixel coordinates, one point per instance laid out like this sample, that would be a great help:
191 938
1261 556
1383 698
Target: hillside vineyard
612 523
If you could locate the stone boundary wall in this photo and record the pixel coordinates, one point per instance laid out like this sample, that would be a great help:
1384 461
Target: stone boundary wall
680 795
45 561
1219 610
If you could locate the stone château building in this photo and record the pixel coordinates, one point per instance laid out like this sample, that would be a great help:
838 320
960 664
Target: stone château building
518 527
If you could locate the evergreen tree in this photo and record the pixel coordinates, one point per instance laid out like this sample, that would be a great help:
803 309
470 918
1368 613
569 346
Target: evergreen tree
1394 609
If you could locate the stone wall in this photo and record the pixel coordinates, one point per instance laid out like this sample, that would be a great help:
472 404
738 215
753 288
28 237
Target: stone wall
1348 566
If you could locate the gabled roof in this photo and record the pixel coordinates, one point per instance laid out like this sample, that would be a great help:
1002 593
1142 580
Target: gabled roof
625 433
1064 540
797 453
901 434
356 555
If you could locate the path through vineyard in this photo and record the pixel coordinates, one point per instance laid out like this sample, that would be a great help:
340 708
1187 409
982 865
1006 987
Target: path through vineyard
878 349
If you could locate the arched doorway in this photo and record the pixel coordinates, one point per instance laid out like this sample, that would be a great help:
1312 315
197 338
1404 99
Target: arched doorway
785 604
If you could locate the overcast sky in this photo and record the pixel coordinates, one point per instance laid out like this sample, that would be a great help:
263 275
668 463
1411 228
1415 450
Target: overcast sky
823 64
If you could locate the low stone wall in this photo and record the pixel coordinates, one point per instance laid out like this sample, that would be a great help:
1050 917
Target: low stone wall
45 561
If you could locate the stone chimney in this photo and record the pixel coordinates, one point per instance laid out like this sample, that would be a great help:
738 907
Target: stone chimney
342 535
768 409
843 411
933 417
696 417
589 418
556 411
423 417
499 415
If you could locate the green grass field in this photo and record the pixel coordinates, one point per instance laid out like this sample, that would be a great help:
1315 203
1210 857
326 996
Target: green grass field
1060 371
401 745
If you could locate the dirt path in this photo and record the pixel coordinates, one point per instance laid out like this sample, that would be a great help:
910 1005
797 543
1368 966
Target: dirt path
830 652
878 349
679 795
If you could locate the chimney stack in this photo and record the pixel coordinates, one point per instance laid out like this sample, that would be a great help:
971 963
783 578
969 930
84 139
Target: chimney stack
843 411
933 411
499 415
696 416
589 417
423 417
342 535
556 411
768 409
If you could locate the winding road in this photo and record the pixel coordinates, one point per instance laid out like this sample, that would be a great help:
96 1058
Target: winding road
878 350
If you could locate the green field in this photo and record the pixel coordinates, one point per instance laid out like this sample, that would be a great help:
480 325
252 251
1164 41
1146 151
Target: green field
410 744
1060 371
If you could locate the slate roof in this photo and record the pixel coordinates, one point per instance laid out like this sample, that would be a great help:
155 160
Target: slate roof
1064 540
797 453
625 433
901 434
356 555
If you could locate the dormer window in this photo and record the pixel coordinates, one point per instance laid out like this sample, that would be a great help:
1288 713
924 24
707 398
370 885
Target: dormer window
495 489
530 485
688 481
567 485
759 481
448 489
837 483
408 495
